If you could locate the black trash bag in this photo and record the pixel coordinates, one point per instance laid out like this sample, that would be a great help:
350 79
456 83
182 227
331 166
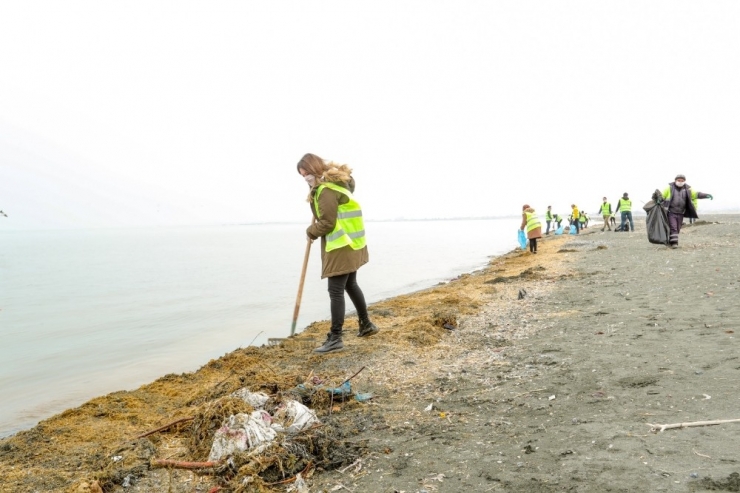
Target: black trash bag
657 221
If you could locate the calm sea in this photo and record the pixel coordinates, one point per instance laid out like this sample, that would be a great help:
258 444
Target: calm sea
88 312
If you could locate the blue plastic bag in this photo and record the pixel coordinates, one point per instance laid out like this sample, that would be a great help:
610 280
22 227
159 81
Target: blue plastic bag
522 239
572 229
559 231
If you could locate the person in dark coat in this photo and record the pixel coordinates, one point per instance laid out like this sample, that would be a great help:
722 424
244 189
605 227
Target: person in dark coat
331 187
678 199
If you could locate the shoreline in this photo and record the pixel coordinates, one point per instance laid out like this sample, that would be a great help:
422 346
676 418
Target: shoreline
492 423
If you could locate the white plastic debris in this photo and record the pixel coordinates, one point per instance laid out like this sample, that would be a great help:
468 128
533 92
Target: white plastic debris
294 417
299 486
242 432
255 399
551 398
429 407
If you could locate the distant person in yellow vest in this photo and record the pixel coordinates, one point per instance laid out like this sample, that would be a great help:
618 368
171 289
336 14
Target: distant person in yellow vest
625 207
531 222
606 214
678 199
575 218
340 226
548 219
556 219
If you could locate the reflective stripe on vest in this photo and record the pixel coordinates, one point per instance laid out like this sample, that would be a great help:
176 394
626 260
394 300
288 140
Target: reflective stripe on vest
625 205
605 209
533 221
350 228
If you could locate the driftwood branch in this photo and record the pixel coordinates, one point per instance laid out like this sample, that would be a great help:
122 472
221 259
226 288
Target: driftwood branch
353 376
655 428
181 464
177 421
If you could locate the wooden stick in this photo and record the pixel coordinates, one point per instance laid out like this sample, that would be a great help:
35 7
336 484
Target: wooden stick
181 420
701 455
655 428
353 376
180 464
300 284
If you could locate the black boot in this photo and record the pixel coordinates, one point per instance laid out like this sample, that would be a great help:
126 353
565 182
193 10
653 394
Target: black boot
367 328
333 343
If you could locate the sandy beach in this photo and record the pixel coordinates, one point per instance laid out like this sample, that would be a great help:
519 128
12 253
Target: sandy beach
540 373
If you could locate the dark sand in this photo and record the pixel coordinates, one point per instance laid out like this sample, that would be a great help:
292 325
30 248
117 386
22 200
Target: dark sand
551 392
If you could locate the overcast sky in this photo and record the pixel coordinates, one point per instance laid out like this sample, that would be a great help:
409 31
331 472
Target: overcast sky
176 112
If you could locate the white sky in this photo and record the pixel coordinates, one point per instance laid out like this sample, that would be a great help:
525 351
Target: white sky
176 112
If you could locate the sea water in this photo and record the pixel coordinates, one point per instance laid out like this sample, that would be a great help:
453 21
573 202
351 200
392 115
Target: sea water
88 312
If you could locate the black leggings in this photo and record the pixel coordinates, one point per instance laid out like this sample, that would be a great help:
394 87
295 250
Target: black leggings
337 286
533 245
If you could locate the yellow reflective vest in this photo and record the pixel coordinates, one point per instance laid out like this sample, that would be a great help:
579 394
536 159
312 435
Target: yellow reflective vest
625 205
349 229
533 222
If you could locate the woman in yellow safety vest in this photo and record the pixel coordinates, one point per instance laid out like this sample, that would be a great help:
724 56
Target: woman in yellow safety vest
340 226
533 225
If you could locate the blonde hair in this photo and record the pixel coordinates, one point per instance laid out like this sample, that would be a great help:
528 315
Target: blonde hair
324 171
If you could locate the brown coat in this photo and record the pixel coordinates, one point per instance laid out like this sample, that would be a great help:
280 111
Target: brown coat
536 232
342 260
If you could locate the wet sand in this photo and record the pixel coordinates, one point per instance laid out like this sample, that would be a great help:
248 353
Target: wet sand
557 366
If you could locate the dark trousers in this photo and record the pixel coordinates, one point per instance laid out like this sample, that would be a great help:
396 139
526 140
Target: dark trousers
577 225
547 232
533 245
337 286
674 223
625 216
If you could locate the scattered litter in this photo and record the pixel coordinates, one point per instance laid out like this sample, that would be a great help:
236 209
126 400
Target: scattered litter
449 326
242 432
344 389
360 397
299 416
255 399
707 397
551 398
116 458
299 486
429 407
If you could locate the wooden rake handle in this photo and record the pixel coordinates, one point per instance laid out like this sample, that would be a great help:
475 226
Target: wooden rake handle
300 285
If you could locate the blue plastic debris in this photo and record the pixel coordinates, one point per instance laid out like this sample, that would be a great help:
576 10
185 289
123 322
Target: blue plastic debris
344 389
363 397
